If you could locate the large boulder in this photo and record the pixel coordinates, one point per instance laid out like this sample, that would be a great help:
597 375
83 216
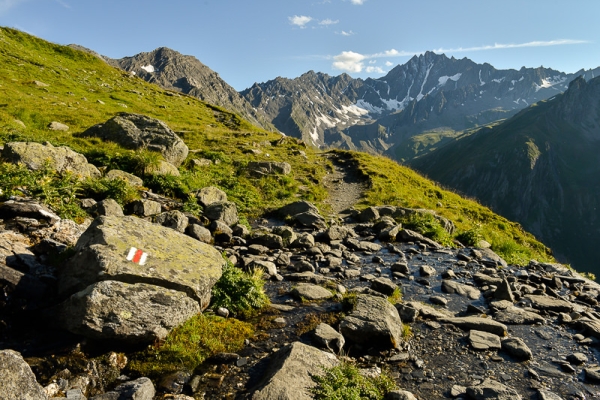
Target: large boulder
209 195
374 321
225 211
61 159
135 131
290 371
173 260
18 381
136 313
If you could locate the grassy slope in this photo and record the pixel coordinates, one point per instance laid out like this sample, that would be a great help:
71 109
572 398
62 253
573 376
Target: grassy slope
78 81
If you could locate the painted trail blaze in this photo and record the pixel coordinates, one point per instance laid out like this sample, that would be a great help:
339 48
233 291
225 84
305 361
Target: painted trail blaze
137 256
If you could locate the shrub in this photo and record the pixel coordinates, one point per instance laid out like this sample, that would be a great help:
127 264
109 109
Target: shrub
240 292
427 225
118 189
470 237
168 185
345 382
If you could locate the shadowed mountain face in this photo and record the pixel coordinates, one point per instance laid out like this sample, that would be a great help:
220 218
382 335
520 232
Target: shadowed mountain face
429 92
540 168
175 71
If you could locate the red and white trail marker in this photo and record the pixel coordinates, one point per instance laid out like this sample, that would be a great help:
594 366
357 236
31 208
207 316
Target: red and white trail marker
137 256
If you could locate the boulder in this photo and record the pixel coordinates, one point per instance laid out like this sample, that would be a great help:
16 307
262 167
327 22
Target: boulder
480 324
173 261
311 292
269 240
374 321
484 340
106 207
58 126
133 313
407 235
174 219
225 211
18 381
296 208
324 335
139 389
369 214
61 159
517 348
547 303
259 169
290 370
311 220
125 176
449 286
135 131
27 209
199 232
339 232
490 389
209 195
162 168
145 207
384 285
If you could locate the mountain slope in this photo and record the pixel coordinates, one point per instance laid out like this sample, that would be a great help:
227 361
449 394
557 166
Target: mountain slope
541 168
175 71
428 92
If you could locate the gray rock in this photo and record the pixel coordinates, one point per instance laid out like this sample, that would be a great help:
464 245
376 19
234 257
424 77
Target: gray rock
490 389
310 219
139 389
209 195
58 126
289 373
287 234
480 324
546 395
135 131
587 325
225 211
266 266
400 395
311 292
577 358
401 267
162 168
61 159
264 168
517 316
174 260
373 321
449 286
390 234
18 381
407 235
145 207
426 271
324 335
138 313
107 207
438 300
384 285
304 240
549 304
172 219
592 375
484 340
369 214
504 292
517 348
125 176
363 245
338 232
199 232
297 207
266 239
489 258
27 209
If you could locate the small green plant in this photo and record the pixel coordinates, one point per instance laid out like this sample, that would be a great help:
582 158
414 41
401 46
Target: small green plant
406 331
346 382
191 205
188 345
240 292
427 225
168 185
470 237
117 189
395 297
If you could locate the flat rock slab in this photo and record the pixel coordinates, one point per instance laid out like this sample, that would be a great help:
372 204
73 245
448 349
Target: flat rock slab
484 340
517 316
480 324
311 292
549 303
18 381
289 373
517 348
139 313
490 389
449 286
374 322
173 261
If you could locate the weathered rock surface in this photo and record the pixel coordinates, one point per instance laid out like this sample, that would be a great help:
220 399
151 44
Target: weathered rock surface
174 261
484 341
373 322
289 374
209 195
490 389
263 168
125 176
311 292
61 159
135 131
18 381
138 313
326 336
449 286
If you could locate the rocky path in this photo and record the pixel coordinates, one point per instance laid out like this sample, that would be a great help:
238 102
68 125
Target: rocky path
344 185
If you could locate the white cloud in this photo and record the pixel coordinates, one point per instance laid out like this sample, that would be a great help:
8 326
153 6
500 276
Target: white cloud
349 61
358 2
372 61
498 46
344 33
328 22
377 70
63 3
6 5
300 20
389 63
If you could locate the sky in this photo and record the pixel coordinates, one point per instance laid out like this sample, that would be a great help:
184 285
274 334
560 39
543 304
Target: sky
248 41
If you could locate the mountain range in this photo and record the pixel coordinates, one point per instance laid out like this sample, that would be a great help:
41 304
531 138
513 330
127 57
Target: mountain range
536 167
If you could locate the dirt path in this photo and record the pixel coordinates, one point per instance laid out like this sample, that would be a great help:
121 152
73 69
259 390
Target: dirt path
344 184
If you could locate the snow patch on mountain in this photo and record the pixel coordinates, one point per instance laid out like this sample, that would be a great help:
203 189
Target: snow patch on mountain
420 95
443 79
498 80
549 82
148 68
368 107
481 82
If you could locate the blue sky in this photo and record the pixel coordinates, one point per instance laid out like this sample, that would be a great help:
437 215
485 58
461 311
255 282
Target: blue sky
249 41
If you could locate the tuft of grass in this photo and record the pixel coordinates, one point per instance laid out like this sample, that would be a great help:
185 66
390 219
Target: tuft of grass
190 344
428 226
407 332
346 382
312 320
470 237
242 293
395 297
117 189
